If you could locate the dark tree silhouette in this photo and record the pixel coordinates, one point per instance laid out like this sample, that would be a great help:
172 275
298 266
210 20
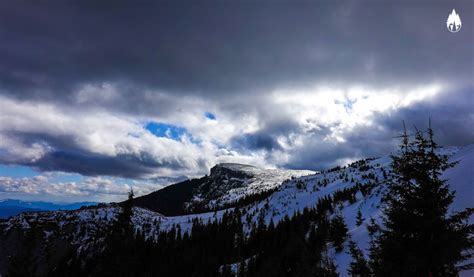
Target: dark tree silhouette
358 266
419 237
338 232
359 218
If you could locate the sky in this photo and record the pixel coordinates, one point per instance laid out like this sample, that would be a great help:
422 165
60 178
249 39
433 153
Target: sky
100 97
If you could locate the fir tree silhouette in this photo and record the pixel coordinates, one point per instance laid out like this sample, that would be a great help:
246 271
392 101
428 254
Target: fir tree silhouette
419 237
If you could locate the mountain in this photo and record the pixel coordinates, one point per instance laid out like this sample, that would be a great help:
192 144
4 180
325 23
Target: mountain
7 211
170 200
11 207
225 186
264 196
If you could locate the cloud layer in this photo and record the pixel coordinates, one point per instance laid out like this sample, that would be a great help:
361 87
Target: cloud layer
45 188
275 84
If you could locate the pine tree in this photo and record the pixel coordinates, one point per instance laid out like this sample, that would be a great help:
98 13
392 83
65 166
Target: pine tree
358 266
372 227
419 238
338 232
123 225
120 257
359 218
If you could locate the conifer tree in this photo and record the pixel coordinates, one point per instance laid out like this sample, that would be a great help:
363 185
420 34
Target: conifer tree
359 218
120 255
123 225
372 227
358 266
338 232
419 237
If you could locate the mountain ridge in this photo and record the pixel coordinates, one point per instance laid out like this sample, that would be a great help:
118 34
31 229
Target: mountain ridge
10 207
226 184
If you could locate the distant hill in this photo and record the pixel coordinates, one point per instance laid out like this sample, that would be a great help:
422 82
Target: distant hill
11 207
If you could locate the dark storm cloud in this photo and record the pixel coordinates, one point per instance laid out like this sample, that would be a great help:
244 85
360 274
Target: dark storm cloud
451 113
68 156
256 141
89 164
210 47
266 138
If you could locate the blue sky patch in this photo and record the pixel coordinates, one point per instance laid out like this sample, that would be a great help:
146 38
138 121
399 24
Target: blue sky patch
165 130
210 116
17 171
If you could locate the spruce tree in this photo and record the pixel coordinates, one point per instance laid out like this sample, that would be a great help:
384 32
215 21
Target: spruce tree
123 224
338 232
419 237
358 266
359 218
372 228
120 255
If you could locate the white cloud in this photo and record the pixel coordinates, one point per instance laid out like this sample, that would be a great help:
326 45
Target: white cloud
87 189
319 117
98 132
109 134
346 108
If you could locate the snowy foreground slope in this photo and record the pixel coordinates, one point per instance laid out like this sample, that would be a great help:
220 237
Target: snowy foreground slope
460 179
290 194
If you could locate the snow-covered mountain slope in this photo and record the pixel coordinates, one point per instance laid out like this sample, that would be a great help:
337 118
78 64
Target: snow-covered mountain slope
228 183
225 185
